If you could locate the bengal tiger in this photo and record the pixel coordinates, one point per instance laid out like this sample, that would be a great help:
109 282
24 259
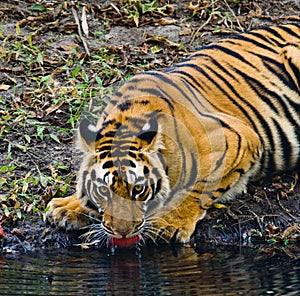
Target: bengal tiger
172 143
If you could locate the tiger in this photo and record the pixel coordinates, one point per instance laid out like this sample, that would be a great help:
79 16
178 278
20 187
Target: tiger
170 144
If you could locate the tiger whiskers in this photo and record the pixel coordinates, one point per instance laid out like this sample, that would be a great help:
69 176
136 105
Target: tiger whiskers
95 235
150 230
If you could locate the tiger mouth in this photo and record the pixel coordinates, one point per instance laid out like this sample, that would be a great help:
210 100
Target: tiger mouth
125 241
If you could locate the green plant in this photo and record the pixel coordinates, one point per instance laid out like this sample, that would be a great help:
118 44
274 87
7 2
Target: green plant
136 8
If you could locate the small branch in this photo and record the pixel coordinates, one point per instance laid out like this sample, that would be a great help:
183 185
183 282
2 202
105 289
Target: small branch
74 12
204 24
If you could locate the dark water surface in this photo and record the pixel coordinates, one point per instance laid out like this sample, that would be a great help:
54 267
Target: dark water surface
218 271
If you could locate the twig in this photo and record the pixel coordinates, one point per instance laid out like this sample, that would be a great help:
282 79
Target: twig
74 12
287 211
232 12
203 25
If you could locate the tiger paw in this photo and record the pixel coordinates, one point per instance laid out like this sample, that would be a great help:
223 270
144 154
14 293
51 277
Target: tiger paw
180 232
68 213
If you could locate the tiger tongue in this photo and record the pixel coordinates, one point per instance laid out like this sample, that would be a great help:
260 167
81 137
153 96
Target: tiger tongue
125 241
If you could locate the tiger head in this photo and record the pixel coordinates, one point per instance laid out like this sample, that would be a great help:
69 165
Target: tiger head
123 176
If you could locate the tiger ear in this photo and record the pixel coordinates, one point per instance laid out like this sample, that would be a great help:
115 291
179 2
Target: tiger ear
88 135
150 135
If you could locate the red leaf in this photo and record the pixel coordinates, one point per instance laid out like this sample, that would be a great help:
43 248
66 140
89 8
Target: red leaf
2 232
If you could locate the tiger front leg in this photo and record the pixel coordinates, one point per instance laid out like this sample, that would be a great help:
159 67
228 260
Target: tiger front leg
178 222
68 213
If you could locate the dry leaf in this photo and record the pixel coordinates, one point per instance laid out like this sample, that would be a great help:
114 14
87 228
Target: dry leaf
2 234
4 86
18 232
54 107
165 21
69 47
144 48
84 24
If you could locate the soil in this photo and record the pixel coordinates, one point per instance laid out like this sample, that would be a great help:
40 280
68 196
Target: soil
266 216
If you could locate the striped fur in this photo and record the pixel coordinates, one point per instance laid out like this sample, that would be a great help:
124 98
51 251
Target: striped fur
171 143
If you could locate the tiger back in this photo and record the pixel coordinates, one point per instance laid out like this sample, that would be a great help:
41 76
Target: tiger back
171 143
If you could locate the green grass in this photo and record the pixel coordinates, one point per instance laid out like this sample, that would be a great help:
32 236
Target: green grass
39 115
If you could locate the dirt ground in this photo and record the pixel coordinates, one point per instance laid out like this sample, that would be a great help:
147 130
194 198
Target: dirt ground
62 59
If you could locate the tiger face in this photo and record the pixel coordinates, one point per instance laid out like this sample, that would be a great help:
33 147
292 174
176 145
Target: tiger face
124 178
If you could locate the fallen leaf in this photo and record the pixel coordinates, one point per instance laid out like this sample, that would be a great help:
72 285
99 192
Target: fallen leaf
69 47
18 232
54 107
4 86
165 21
2 232
145 48
218 205
84 23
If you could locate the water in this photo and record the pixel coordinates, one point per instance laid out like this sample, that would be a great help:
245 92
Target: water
218 271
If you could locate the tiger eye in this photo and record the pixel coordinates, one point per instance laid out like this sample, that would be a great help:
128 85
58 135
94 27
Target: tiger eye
103 189
138 188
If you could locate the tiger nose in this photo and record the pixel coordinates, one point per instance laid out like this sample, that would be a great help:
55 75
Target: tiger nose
117 225
123 233
122 227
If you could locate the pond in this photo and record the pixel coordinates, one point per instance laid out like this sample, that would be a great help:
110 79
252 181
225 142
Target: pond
153 271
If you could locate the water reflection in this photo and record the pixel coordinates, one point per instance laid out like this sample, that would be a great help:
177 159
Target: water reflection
221 271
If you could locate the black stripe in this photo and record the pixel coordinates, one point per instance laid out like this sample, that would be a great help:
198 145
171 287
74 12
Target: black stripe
195 84
90 204
192 174
230 53
221 160
145 170
93 175
278 72
108 164
137 122
132 164
285 145
296 72
276 33
247 38
240 171
260 118
158 93
267 40
231 128
260 90
84 176
117 94
156 173
289 30
158 186
124 106
192 89
104 154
